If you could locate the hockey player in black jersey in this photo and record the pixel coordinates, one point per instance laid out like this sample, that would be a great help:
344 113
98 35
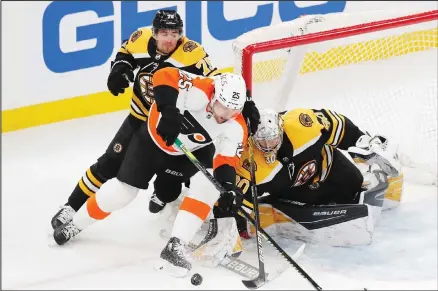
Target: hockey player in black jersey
311 189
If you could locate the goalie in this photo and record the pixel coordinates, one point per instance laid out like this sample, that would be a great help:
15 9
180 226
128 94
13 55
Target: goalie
310 189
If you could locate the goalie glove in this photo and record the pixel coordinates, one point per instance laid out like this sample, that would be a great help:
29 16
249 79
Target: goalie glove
376 150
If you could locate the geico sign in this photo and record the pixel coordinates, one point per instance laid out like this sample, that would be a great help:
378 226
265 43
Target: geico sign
80 34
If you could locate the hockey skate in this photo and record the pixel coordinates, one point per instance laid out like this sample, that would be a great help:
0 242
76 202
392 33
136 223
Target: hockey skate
64 215
65 232
155 204
177 258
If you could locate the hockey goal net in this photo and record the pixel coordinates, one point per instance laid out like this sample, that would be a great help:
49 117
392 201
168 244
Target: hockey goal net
379 68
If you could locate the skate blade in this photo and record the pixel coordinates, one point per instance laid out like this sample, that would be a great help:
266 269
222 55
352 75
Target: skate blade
172 270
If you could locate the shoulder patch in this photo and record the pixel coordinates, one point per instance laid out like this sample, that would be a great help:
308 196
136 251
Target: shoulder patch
305 119
136 35
189 46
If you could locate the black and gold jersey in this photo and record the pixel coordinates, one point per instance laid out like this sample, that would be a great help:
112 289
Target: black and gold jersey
306 154
140 50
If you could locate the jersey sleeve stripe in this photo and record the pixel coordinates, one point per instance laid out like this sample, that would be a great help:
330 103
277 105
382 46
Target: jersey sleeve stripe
328 157
337 128
340 129
140 105
141 117
137 110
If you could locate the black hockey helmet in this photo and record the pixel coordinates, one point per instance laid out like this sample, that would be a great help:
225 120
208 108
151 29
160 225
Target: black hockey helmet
167 19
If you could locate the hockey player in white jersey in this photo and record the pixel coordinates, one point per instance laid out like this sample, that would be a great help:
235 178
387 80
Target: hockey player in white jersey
196 110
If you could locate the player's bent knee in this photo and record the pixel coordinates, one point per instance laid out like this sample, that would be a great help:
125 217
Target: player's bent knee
118 196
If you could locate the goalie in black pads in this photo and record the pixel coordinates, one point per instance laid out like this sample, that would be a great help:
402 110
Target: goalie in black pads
311 189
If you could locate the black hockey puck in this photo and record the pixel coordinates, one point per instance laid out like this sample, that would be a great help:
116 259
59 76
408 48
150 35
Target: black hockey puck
196 279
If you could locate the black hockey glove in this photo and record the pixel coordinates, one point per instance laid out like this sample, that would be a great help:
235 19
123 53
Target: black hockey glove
120 76
169 126
228 204
251 112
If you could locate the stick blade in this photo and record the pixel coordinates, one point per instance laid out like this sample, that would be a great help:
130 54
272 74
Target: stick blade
254 284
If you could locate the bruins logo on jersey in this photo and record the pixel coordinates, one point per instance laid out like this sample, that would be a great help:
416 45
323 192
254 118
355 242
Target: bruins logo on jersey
136 35
189 46
146 87
306 120
306 172
247 167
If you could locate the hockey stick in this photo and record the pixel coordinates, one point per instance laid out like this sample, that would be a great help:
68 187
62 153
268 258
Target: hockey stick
260 280
221 189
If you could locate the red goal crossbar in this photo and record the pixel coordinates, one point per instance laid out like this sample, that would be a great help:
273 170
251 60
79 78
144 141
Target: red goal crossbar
250 50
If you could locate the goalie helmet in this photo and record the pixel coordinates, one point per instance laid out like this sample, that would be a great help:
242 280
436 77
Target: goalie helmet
269 135
230 91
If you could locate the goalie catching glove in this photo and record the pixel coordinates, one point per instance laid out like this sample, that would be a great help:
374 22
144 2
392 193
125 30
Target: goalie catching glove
377 150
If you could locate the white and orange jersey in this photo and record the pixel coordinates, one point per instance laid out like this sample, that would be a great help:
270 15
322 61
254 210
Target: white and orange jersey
199 127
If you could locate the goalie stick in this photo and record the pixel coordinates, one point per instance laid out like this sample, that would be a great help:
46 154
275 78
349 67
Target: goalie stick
221 189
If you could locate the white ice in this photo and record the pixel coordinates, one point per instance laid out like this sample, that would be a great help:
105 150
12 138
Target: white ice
41 166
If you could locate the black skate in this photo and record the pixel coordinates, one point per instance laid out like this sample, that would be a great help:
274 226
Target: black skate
64 215
65 232
155 204
176 254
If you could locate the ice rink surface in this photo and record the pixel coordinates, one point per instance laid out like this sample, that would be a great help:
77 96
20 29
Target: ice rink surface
41 166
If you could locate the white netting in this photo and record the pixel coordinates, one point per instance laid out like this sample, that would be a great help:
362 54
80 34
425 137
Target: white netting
385 81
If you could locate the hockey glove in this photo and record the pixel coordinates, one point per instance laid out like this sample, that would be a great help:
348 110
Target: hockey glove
251 112
229 203
120 76
169 126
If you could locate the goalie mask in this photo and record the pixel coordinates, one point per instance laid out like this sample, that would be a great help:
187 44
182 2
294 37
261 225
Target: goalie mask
269 134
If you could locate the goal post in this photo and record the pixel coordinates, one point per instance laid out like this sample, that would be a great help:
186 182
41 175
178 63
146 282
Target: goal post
379 68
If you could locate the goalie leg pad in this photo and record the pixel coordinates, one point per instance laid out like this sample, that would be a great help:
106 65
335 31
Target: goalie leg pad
216 241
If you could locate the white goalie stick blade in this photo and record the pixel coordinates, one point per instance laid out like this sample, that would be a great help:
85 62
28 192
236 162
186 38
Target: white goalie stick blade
250 272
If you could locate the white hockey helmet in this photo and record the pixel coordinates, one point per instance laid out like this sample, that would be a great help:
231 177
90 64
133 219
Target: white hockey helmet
269 135
230 91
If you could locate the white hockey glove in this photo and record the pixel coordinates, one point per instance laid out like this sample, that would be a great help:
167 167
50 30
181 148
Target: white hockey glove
377 150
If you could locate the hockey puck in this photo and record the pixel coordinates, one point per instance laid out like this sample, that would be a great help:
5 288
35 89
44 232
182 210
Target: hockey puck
196 279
